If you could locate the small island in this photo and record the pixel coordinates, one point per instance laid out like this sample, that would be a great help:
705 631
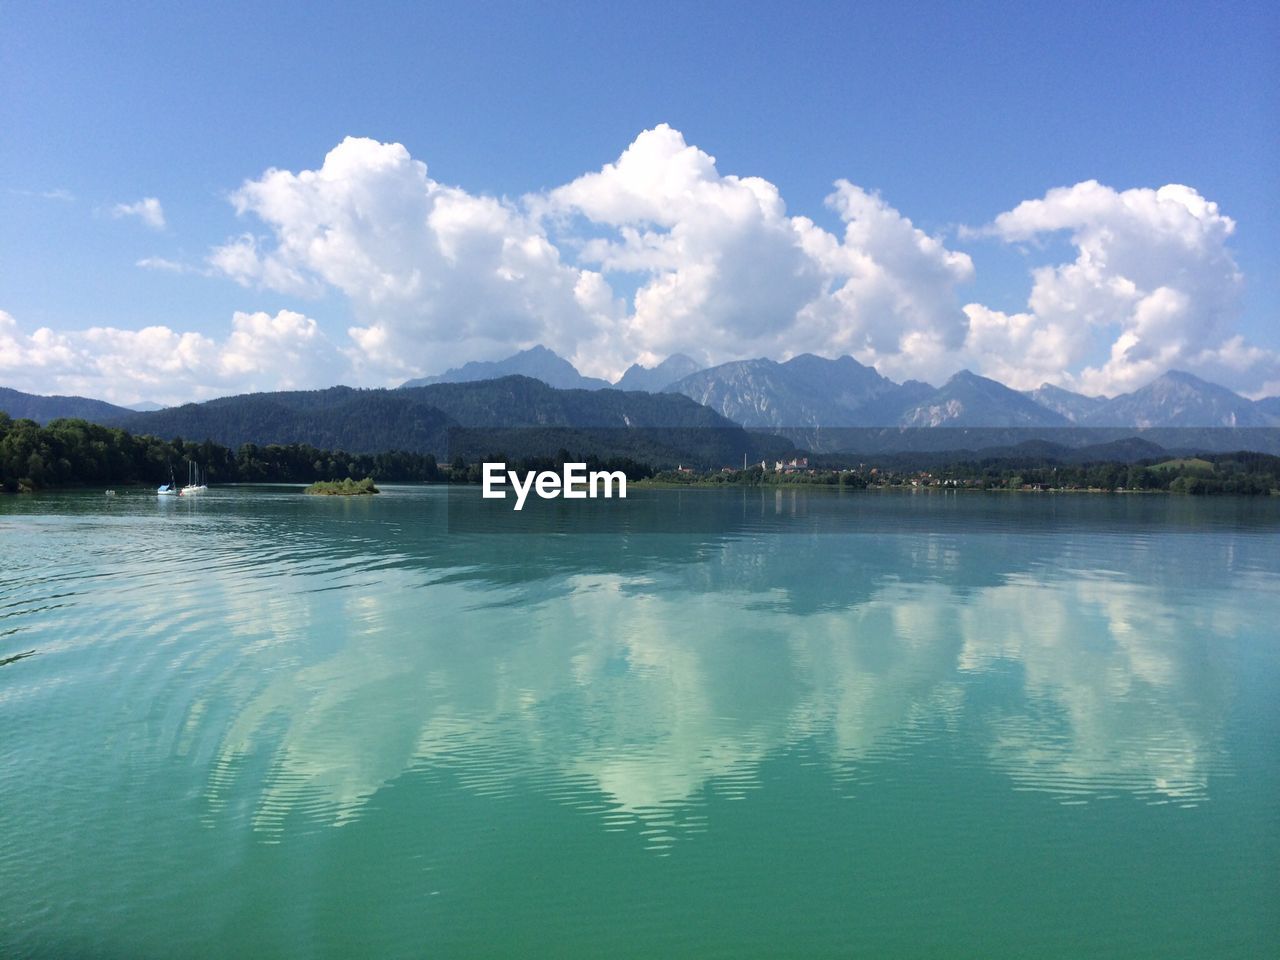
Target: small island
342 488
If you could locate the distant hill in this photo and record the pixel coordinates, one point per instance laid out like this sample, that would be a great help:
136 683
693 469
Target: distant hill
657 379
809 392
812 402
756 393
526 402
1032 452
1179 399
1076 407
536 362
28 406
968 400
806 391
846 383
338 418
518 416
506 414
890 407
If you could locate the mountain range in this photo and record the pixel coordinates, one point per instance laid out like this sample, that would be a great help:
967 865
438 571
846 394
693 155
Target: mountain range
554 370
515 416
809 400
536 362
656 379
1179 399
808 391
1076 407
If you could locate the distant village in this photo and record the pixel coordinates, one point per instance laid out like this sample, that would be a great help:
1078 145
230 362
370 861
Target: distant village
1237 473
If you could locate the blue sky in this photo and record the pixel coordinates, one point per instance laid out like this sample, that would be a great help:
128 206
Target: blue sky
943 115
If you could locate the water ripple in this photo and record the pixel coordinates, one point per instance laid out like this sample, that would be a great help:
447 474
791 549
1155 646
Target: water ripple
280 689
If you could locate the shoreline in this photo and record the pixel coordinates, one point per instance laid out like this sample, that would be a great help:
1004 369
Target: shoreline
905 488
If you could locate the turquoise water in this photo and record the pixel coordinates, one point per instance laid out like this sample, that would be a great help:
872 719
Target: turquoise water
259 724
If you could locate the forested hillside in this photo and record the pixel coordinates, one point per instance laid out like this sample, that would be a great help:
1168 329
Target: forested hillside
363 421
29 406
416 418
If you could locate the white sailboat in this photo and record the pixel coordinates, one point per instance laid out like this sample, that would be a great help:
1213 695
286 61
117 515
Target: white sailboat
169 489
195 483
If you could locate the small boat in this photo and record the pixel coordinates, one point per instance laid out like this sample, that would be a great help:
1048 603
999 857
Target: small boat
169 489
111 493
195 483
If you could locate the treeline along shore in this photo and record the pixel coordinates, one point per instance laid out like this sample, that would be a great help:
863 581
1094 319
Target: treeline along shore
76 453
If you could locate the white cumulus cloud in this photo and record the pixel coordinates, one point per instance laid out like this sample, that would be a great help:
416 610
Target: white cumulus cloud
659 251
261 352
435 275
1153 286
727 273
894 302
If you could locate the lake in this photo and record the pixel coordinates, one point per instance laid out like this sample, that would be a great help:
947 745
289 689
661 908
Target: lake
698 723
